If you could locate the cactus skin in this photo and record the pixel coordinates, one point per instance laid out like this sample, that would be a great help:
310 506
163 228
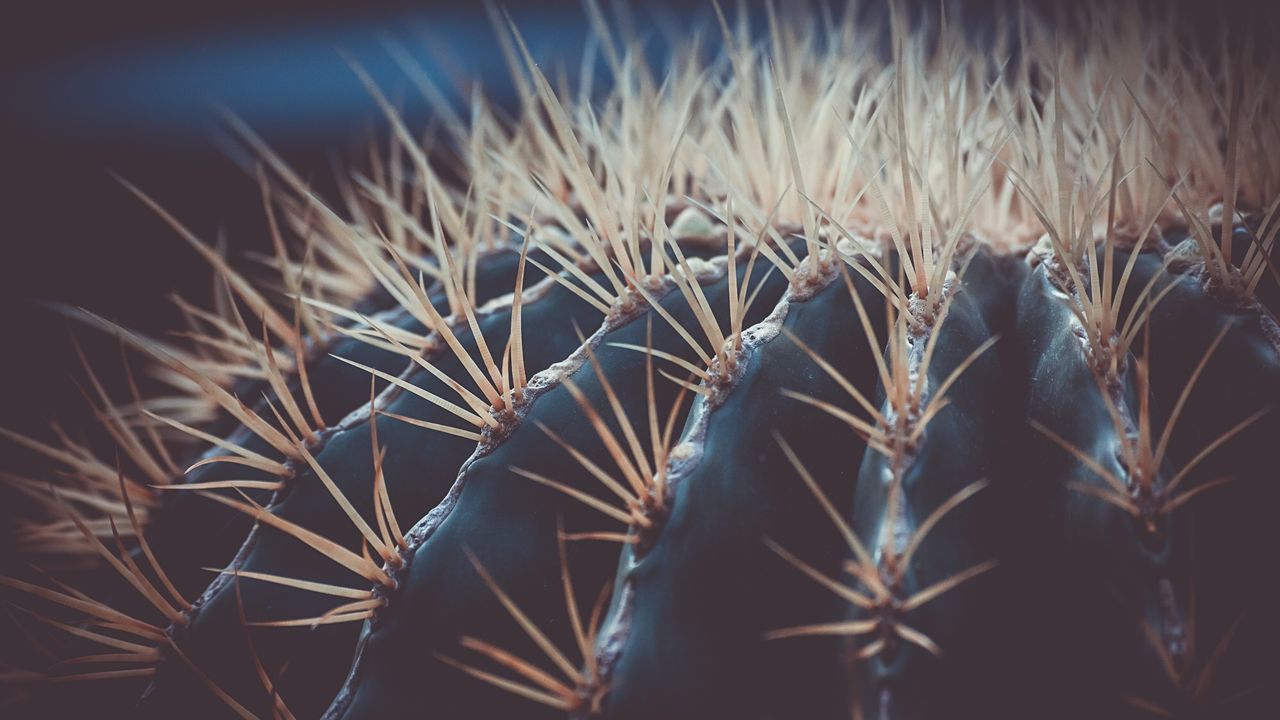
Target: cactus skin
754 561
697 601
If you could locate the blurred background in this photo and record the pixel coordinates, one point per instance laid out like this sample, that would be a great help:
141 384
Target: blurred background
131 88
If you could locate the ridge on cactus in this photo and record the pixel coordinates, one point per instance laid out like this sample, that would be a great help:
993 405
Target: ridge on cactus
848 366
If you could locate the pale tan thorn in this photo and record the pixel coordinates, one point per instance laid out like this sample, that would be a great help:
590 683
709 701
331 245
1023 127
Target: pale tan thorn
313 622
104 675
162 451
437 427
571 603
313 203
865 430
731 274
658 443
938 588
884 284
850 538
292 283
1190 385
868 331
228 401
346 612
661 239
179 603
1123 502
147 656
1232 172
367 532
379 478
639 459
242 287
339 554
927 417
267 485
212 686
550 700
676 360
1135 254
637 479
568 285
845 592
691 288
1180 500
383 498
477 405
1156 642
524 668
592 197
836 375
403 335
871 650
444 331
89 607
686 384
580 496
951 503
284 424
905 258
624 493
761 246
618 537
1109 304
373 338
462 413
1083 457
520 376
570 265
675 325
1260 249
917 389
1208 449
915 637
251 458
1060 164
115 423
1148 706
1214 262
316 587
151 347
1206 674
92 469
407 141
541 640
87 634
402 220
845 628
939 395
496 388
279 710
1144 304
123 566
281 387
920 256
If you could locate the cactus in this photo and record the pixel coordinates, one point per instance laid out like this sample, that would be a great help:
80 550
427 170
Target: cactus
825 376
